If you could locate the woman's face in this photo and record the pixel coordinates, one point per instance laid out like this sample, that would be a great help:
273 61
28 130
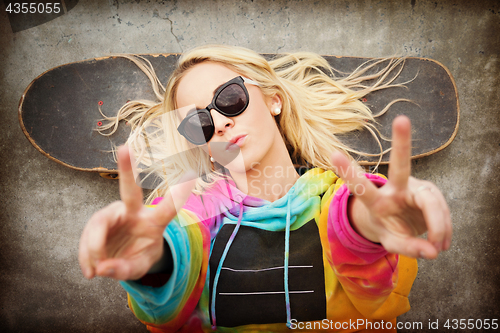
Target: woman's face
256 124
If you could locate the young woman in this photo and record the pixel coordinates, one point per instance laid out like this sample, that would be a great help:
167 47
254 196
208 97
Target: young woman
256 246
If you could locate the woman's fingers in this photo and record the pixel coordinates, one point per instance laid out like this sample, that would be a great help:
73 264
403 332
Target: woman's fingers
83 256
400 159
124 269
436 215
354 178
409 246
134 267
449 230
130 192
176 198
446 219
93 241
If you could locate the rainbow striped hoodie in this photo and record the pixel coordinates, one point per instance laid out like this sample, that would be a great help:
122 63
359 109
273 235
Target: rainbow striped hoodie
244 264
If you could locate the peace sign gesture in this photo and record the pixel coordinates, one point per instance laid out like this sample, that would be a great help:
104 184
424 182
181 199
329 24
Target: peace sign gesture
405 207
124 239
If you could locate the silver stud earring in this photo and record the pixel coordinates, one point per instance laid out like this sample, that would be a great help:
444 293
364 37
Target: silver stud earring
277 111
212 159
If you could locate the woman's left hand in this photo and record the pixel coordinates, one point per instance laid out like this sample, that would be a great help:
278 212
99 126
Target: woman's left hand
404 208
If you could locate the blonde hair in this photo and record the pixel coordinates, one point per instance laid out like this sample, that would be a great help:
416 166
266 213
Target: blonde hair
316 108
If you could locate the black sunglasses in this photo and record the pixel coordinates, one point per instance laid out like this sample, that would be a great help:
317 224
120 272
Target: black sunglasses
230 99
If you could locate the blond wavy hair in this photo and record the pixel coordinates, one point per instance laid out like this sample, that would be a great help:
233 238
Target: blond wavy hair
317 106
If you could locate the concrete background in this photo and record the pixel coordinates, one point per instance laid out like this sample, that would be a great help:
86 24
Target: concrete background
44 206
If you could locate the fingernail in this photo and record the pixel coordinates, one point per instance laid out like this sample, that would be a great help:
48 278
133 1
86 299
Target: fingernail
447 244
110 272
422 255
438 246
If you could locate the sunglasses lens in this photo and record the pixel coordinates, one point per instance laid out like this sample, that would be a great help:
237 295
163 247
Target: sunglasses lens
199 128
232 100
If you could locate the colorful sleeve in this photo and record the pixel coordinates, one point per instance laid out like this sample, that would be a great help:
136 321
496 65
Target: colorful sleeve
366 271
168 306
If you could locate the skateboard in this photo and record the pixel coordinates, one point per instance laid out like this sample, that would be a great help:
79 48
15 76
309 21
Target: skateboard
59 110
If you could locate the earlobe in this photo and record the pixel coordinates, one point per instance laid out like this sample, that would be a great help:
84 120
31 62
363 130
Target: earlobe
275 105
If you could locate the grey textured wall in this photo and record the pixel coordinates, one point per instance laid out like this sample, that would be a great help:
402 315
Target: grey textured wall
44 206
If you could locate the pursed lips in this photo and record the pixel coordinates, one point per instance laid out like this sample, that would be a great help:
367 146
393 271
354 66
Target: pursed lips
237 141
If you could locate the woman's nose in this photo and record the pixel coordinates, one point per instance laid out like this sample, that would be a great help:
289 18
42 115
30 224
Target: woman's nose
221 122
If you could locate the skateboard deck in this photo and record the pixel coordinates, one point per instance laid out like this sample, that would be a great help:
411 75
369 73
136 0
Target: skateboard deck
59 110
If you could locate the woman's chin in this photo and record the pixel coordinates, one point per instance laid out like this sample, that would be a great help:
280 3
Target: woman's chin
239 164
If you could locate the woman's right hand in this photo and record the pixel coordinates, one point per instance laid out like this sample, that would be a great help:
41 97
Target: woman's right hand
124 239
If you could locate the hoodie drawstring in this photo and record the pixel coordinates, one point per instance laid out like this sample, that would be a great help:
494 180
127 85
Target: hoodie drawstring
287 255
221 262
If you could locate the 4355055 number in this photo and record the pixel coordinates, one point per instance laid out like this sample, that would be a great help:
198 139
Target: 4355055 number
471 324
33 8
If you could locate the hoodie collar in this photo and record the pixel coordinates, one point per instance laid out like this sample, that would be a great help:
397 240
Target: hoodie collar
304 195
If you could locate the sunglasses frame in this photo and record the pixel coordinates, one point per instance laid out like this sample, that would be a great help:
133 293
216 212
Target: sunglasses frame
240 81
